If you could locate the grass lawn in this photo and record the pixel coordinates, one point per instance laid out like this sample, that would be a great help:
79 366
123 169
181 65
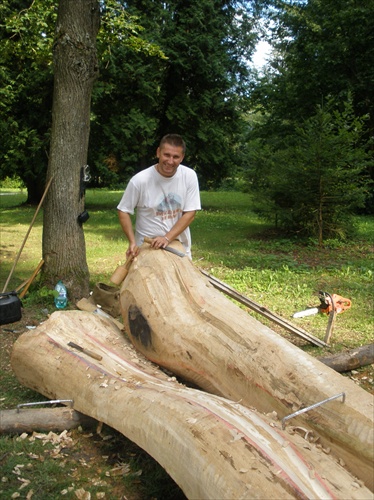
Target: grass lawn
230 242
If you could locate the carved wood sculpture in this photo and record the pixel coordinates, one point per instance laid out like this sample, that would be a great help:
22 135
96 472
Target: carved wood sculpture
178 320
212 447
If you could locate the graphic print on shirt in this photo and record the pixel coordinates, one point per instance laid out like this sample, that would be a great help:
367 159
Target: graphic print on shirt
169 207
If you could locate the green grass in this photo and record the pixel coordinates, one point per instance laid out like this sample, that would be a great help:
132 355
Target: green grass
28 465
231 242
58 467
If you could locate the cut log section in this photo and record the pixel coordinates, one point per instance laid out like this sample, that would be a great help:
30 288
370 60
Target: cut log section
178 320
350 360
213 448
42 419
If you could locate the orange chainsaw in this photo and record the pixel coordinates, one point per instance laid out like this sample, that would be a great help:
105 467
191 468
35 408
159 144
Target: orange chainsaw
327 304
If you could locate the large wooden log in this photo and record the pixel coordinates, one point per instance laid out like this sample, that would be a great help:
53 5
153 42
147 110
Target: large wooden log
177 319
212 447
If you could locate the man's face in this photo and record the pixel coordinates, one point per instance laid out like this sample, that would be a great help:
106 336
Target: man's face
169 159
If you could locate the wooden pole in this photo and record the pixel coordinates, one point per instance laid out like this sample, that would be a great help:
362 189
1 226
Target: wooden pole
24 291
27 234
19 287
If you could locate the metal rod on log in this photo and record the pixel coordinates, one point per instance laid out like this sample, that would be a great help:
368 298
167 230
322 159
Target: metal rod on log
223 287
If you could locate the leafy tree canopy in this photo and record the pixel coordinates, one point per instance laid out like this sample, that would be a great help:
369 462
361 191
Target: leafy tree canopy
184 70
26 72
320 49
312 184
198 89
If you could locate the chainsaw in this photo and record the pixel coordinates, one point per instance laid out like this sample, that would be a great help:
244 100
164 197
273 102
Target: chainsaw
328 303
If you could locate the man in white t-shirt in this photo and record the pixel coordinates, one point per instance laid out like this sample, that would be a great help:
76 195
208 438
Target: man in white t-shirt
165 197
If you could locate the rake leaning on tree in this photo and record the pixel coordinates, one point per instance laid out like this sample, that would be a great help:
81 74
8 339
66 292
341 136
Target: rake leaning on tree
165 197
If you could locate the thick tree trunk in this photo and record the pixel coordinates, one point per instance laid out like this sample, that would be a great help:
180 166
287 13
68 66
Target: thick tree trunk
35 189
75 69
177 319
213 448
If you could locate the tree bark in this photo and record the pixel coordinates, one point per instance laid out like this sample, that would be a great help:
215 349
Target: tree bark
35 189
75 69
45 419
346 361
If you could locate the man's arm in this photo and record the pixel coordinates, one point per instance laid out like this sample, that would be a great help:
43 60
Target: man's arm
175 231
126 224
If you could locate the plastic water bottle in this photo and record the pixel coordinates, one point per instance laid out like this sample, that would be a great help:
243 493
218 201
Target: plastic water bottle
61 299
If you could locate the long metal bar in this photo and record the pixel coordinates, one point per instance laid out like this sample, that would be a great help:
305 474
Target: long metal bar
308 408
223 287
52 402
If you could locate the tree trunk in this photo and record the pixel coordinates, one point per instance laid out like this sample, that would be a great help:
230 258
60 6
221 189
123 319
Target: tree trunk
177 319
75 69
213 448
35 189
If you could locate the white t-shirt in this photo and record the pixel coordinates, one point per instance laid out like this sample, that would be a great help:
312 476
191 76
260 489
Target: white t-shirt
160 201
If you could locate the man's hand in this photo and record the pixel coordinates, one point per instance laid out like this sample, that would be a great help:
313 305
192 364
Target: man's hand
160 242
174 232
133 250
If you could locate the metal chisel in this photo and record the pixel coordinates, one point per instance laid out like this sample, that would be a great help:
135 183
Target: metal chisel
85 351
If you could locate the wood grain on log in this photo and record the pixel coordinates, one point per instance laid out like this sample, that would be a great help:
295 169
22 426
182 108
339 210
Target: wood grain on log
177 319
212 447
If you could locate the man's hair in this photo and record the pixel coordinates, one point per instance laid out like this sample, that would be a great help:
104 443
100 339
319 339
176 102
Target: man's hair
174 140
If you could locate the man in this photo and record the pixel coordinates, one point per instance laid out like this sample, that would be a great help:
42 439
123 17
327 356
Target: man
166 197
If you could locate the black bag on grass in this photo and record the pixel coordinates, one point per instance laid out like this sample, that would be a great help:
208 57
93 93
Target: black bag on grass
10 308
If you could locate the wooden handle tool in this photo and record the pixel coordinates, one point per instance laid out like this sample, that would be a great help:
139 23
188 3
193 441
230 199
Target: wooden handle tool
85 351
121 272
166 249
